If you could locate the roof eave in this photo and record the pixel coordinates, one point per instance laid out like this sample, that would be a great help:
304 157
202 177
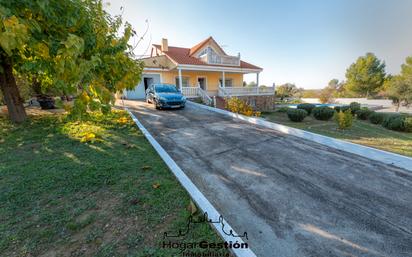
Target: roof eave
217 68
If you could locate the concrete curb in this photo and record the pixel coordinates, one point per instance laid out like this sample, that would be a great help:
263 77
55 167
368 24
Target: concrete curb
195 194
364 151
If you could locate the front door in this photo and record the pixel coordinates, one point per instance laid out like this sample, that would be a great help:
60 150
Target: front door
202 82
147 83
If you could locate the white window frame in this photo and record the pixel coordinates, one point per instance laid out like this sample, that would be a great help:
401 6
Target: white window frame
226 80
183 79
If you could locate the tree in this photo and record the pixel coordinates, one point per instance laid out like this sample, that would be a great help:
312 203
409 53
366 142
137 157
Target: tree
366 76
399 87
326 95
331 91
286 90
73 47
311 93
252 84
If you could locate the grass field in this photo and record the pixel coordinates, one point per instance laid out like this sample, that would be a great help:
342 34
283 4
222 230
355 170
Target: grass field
362 132
91 188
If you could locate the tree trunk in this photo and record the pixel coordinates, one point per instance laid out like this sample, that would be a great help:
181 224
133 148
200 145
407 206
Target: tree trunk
11 94
398 105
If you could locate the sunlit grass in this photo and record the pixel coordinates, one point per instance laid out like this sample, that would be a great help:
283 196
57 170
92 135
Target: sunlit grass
362 132
62 194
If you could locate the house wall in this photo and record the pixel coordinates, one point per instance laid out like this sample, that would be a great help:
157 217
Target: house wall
212 78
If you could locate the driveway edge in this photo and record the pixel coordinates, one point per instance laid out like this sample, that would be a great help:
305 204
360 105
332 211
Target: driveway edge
222 226
364 151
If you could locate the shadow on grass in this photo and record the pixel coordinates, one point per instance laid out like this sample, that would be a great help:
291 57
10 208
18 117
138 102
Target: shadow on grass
60 196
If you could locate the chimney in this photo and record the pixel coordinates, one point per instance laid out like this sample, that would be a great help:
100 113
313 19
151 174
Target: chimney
165 46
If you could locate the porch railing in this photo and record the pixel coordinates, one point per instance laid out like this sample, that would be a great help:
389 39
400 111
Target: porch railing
205 98
190 91
244 91
222 92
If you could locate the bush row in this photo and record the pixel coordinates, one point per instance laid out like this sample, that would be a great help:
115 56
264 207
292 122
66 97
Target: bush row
307 107
398 122
393 121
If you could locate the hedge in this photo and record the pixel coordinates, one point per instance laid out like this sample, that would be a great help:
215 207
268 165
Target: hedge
307 107
323 113
363 113
297 115
377 117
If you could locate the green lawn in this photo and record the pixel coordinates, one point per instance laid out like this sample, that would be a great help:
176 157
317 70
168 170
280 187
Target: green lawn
60 196
362 132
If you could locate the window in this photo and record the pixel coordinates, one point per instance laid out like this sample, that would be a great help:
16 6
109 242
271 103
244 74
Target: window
185 82
204 51
207 50
228 82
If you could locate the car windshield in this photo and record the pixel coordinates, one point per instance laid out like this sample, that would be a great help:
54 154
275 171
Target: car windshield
166 89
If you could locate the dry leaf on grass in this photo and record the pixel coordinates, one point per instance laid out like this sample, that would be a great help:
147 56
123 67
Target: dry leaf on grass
146 168
192 207
156 185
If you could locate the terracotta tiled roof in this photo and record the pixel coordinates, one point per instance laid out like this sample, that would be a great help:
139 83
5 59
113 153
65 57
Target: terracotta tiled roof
182 55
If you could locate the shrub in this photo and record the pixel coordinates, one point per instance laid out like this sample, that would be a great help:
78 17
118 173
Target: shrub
283 109
408 124
237 105
377 117
354 106
394 122
344 119
363 113
307 107
323 113
342 108
297 115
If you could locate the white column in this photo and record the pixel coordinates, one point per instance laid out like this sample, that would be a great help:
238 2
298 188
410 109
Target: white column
223 79
180 79
257 79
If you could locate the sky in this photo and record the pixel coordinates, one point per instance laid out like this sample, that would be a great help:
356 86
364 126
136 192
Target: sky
304 42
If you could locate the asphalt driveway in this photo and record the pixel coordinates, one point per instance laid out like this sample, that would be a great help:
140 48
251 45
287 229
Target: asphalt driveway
292 196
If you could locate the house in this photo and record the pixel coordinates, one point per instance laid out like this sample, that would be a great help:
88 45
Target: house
205 71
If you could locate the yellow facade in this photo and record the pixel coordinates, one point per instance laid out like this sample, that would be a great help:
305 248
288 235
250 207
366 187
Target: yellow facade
212 78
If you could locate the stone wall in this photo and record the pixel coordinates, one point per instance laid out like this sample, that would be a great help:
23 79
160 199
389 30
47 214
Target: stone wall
260 102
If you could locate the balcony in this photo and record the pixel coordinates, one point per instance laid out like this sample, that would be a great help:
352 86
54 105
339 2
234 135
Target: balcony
228 60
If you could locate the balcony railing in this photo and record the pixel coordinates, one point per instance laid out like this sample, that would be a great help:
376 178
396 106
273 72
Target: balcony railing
244 91
221 60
